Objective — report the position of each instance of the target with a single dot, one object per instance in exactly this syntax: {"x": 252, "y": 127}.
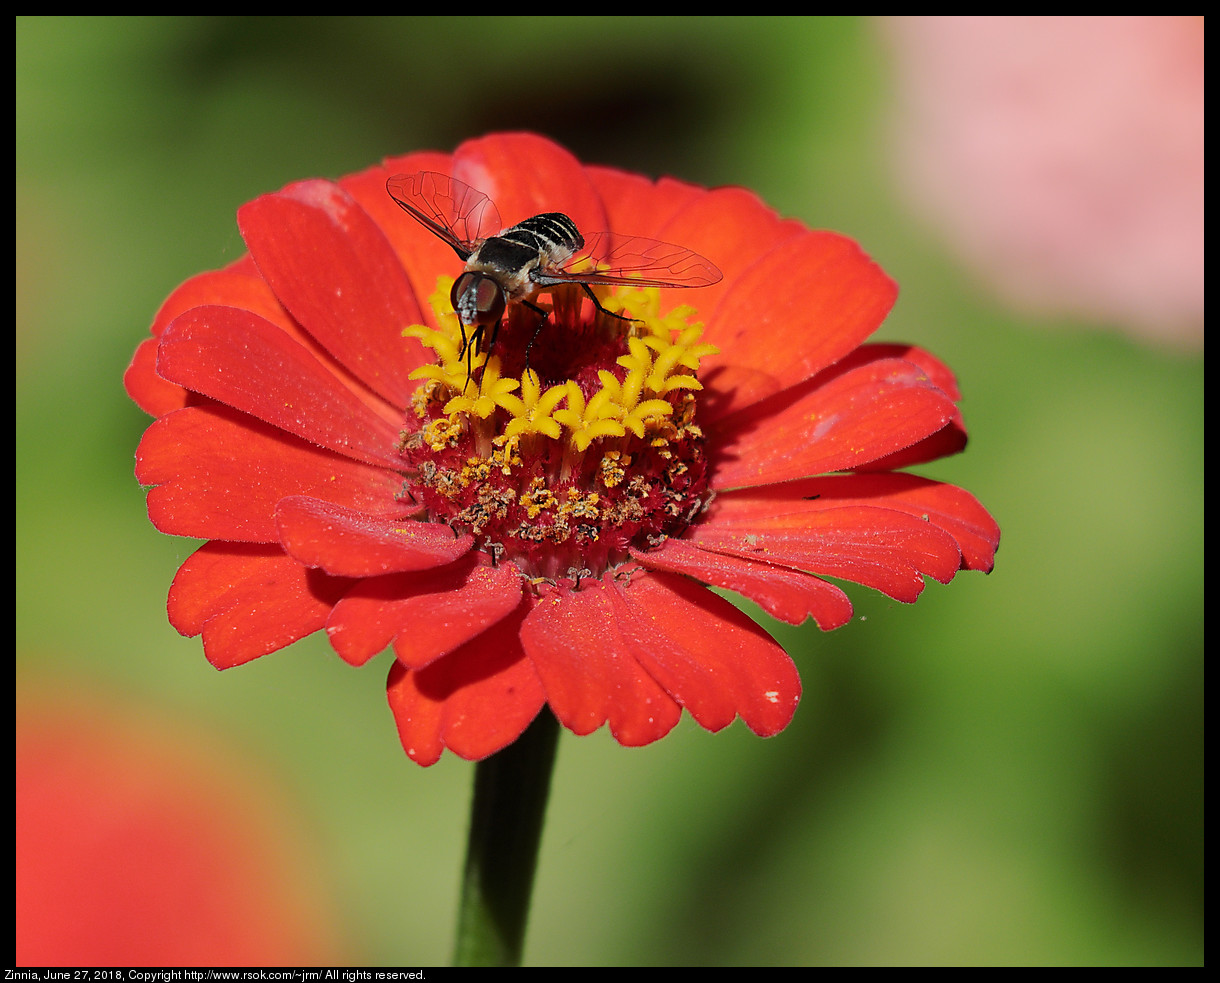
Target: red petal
{"x": 947, "y": 507}
{"x": 950, "y": 439}
{"x": 635, "y": 205}
{"x": 589, "y": 672}
{"x": 802, "y": 307}
{"x": 526, "y": 174}
{"x": 333, "y": 269}
{"x": 237, "y": 285}
{"x": 427, "y": 614}
{"x": 881, "y": 548}
{"x": 734, "y": 229}
{"x": 947, "y": 441}
{"x": 220, "y": 474}
{"x": 248, "y": 600}
{"x": 843, "y": 422}
{"x": 938, "y": 373}
{"x": 151, "y": 393}
{"x": 246, "y": 362}
{"x": 709, "y": 656}
{"x": 474, "y": 701}
{"x": 349, "y": 543}
{"x": 423, "y": 256}
{"x": 730, "y": 226}
{"x": 787, "y": 594}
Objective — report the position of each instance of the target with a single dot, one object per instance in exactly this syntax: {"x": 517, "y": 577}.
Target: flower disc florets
{"x": 568, "y": 444}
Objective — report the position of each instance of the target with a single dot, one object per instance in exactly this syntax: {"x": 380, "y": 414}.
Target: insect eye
{"x": 477, "y": 299}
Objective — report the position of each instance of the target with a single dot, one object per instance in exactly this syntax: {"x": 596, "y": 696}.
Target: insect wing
{"x": 450, "y": 209}
{"x": 608, "y": 257}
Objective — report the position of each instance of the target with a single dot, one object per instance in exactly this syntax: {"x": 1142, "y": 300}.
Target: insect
{"x": 511, "y": 266}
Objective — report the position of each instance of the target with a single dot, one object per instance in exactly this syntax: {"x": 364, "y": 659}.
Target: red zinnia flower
{"x": 538, "y": 537}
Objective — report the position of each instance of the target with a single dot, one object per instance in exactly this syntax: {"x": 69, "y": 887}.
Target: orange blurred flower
{"x": 137, "y": 849}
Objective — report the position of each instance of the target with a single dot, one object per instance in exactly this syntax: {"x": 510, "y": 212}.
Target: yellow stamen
{"x": 663, "y": 356}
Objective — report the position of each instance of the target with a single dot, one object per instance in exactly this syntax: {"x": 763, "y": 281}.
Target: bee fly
{"x": 507, "y": 266}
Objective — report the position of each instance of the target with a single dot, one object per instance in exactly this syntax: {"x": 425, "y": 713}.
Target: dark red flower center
{"x": 568, "y": 443}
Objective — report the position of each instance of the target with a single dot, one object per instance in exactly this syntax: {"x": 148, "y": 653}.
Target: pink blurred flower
{"x": 1063, "y": 159}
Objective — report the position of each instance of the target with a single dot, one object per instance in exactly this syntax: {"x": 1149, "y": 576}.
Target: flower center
{"x": 571, "y": 440}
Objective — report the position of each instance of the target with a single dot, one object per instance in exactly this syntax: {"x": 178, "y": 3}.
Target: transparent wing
{"x": 608, "y": 257}
{"x": 446, "y": 207}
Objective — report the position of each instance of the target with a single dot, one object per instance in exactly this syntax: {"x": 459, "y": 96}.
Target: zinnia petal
{"x": 206, "y": 489}
{"x": 248, "y": 600}
{"x": 783, "y": 592}
{"x": 554, "y": 181}
{"x": 840, "y": 422}
{"x": 732, "y": 225}
{"x": 802, "y": 307}
{"x": 244, "y": 361}
{"x": 885, "y": 549}
{"x": 349, "y": 543}
{"x": 347, "y": 288}
{"x": 632, "y": 201}
{"x": 473, "y": 701}
{"x": 238, "y": 285}
{"x": 151, "y": 393}
{"x": 421, "y": 257}
{"x": 949, "y": 439}
{"x": 952, "y": 509}
{"x": 425, "y": 614}
{"x": 709, "y": 656}
{"x": 589, "y": 670}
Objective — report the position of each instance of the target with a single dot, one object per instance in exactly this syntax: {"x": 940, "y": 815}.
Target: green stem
{"x": 510, "y": 792}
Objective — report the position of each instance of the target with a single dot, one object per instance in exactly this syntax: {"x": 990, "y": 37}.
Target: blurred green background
{"x": 1010, "y": 771}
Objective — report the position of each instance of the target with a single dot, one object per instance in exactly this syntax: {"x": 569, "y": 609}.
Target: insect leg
{"x": 470, "y": 347}
{"x": 534, "y": 336}
{"x": 597, "y": 303}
